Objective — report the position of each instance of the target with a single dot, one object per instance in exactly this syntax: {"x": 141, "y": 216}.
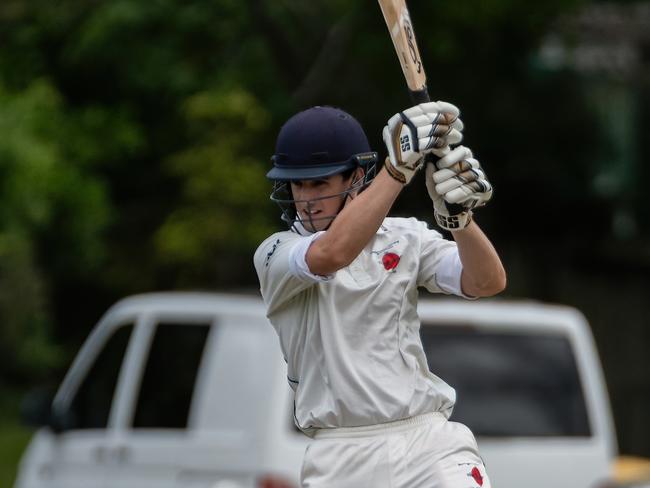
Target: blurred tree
{"x": 45, "y": 191}
{"x": 165, "y": 113}
{"x": 224, "y": 192}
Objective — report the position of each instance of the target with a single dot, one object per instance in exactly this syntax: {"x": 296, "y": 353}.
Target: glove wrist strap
{"x": 456, "y": 222}
{"x": 394, "y": 173}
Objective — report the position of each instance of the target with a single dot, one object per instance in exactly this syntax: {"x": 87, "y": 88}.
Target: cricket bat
{"x": 399, "y": 24}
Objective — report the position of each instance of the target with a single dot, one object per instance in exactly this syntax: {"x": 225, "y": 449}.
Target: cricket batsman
{"x": 341, "y": 286}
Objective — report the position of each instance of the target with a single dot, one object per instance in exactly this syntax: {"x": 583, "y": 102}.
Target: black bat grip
{"x": 420, "y": 96}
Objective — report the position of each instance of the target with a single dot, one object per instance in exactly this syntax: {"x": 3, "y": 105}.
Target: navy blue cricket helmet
{"x": 317, "y": 143}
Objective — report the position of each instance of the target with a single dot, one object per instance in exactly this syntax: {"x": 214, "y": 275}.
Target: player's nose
{"x": 305, "y": 194}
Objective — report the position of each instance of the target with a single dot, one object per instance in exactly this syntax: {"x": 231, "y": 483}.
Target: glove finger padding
{"x": 437, "y": 136}
{"x": 458, "y": 180}
{"x": 461, "y": 180}
{"x": 437, "y": 126}
{"x": 449, "y": 108}
{"x": 450, "y": 111}
{"x": 460, "y": 167}
{"x": 456, "y": 185}
{"x": 471, "y": 195}
{"x": 454, "y": 137}
{"x": 456, "y": 155}
{"x": 433, "y": 130}
{"x": 448, "y": 216}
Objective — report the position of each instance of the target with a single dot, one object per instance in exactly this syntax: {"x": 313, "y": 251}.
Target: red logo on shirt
{"x": 476, "y": 474}
{"x": 390, "y": 260}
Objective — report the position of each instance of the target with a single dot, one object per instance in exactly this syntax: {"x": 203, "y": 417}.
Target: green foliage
{"x": 25, "y": 350}
{"x": 222, "y": 181}
{"x": 44, "y": 190}
{"x": 13, "y": 441}
{"x": 13, "y": 437}
{"x": 136, "y": 135}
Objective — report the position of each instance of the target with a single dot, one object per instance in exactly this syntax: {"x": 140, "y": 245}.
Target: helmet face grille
{"x": 282, "y": 195}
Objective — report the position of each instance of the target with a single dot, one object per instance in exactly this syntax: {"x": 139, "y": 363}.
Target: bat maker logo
{"x": 410, "y": 38}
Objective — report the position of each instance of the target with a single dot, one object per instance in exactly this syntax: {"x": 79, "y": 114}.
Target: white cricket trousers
{"x": 426, "y": 451}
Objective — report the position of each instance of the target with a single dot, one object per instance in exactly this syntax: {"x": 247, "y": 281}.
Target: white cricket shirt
{"x": 351, "y": 340}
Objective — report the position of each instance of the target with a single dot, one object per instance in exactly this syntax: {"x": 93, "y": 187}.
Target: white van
{"x": 189, "y": 390}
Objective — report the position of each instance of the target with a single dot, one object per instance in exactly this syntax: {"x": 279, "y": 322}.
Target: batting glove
{"x": 409, "y": 135}
{"x": 457, "y": 184}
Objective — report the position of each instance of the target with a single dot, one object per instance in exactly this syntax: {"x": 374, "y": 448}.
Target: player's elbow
{"x": 486, "y": 286}
{"x": 495, "y": 285}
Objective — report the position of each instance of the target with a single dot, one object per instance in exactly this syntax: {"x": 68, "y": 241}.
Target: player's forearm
{"x": 354, "y": 226}
{"x": 483, "y": 273}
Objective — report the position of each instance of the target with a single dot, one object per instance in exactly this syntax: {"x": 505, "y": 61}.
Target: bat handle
{"x": 420, "y": 96}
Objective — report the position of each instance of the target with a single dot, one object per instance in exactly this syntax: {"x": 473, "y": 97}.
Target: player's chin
{"x": 317, "y": 223}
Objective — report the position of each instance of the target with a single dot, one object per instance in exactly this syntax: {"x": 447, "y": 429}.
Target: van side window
{"x": 170, "y": 374}
{"x": 91, "y": 405}
{"x": 509, "y": 384}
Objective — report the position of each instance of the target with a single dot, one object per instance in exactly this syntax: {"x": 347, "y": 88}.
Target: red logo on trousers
{"x": 476, "y": 474}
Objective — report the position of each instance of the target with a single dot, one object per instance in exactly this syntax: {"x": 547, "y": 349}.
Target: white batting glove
{"x": 409, "y": 135}
{"x": 456, "y": 185}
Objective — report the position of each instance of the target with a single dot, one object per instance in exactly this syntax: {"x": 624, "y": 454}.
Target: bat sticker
{"x": 408, "y": 29}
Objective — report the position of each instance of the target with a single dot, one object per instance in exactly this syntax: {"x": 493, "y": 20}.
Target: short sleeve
{"x": 449, "y": 274}
{"x": 440, "y": 268}
{"x": 280, "y": 280}
{"x": 298, "y": 263}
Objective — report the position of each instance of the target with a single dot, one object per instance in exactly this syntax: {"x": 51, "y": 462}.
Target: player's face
{"x": 318, "y": 201}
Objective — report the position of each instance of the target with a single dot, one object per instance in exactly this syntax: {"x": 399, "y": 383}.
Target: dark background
{"x": 135, "y": 135}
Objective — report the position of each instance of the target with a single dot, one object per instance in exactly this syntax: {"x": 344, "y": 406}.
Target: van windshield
{"x": 509, "y": 384}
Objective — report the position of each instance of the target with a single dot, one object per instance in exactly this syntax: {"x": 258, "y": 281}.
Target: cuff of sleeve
{"x": 298, "y": 265}
{"x": 448, "y": 275}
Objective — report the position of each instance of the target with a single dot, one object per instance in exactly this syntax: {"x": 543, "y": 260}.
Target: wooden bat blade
{"x": 399, "y": 24}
